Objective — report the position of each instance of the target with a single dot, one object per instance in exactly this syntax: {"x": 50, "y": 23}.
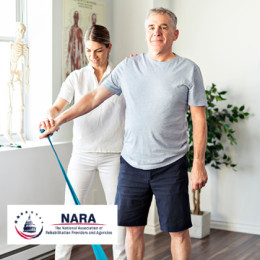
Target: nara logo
{"x": 28, "y": 225}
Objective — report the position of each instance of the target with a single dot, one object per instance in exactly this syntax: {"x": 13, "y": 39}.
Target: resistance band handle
{"x": 98, "y": 250}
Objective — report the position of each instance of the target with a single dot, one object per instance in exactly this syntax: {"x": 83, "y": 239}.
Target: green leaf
{"x": 242, "y": 108}
{"x": 219, "y": 98}
{"x": 226, "y": 126}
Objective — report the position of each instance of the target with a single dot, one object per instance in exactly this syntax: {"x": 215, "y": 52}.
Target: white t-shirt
{"x": 101, "y": 130}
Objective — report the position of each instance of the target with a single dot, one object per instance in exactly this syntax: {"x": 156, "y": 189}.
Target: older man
{"x": 158, "y": 87}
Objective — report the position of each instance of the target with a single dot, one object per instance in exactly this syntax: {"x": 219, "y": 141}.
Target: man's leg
{"x": 170, "y": 186}
{"x": 180, "y": 245}
{"x": 135, "y": 243}
{"x": 133, "y": 198}
{"x": 108, "y": 167}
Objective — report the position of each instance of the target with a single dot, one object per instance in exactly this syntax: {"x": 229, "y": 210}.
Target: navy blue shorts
{"x": 169, "y": 184}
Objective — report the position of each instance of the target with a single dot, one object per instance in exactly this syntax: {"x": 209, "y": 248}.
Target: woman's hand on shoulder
{"x": 131, "y": 55}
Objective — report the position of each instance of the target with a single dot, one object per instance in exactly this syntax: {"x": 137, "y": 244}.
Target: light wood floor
{"x": 220, "y": 245}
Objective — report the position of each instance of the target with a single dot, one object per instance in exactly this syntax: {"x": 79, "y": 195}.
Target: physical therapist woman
{"x": 97, "y": 136}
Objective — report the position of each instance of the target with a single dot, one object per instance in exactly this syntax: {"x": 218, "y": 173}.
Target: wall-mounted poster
{"x": 78, "y": 16}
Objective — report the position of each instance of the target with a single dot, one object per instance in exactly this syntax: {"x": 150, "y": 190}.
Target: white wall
{"x": 223, "y": 38}
{"x": 128, "y": 26}
{"x": 44, "y": 38}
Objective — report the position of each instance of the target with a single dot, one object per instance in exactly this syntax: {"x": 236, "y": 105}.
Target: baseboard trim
{"x": 216, "y": 224}
{"x": 235, "y": 227}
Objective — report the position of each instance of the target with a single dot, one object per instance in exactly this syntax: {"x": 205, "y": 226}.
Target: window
{"x": 11, "y": 11}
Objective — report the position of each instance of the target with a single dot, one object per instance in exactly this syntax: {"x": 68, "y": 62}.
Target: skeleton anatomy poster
{"x": 78, "y": 16}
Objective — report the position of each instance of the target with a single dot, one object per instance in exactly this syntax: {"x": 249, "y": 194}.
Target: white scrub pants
{"x": 81, "y": 172}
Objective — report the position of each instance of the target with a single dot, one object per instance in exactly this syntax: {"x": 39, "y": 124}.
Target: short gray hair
{"x": 162, "y": 10}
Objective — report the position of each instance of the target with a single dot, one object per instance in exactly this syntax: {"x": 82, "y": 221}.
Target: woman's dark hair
{"x": 98, "y": 33}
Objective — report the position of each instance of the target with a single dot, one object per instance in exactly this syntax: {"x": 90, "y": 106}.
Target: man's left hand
{"x": 199, "y": 176}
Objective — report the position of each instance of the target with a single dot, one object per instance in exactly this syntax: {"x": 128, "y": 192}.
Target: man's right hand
{"x": 49, "y": 125}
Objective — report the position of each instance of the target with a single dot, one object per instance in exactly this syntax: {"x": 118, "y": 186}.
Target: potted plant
{"x": 220, "y": 122}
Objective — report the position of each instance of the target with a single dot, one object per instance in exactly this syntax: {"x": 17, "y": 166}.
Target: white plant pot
{"x": 200, "y": 225}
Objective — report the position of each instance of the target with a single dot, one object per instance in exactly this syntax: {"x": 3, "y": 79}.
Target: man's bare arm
{"x": 83, "y": 106}
{"x": 199, "y": 175}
